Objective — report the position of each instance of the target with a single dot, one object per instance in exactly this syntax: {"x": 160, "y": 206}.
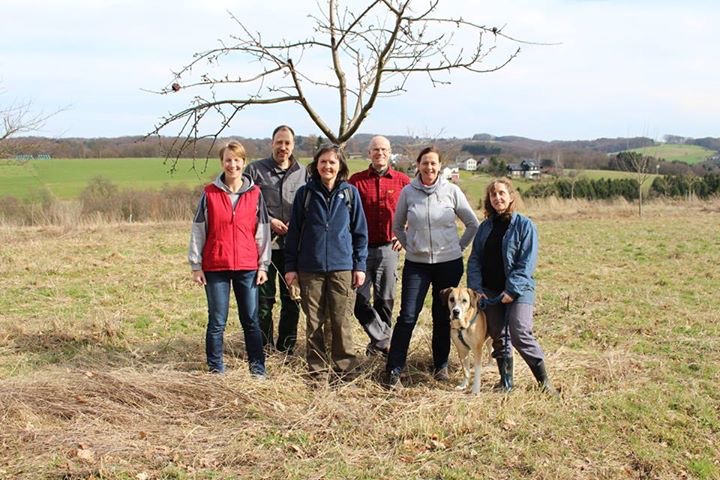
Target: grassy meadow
{"x": 65, "y": 179}
{"x": 690, "y": 154}
{"x": 102, "y": 366}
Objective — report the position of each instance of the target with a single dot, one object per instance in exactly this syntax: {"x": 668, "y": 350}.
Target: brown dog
{"x": 468, "y": 330}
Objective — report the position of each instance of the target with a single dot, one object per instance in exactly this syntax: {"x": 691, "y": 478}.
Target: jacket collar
{"x": 247, "y": 183}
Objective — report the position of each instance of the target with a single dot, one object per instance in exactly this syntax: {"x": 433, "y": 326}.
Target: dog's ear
{"x": 474, "y": 297}
{"x": 445, "y": 294}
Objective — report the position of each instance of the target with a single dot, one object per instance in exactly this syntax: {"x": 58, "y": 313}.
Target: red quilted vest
{"x": 230, "y": 243}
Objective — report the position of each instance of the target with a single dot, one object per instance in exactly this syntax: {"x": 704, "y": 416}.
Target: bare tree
{"x": 19, "y": 117}
{"x": 573, "y": 177}
{"x": 642, "y": 166}
{"x": 372, "y": 52}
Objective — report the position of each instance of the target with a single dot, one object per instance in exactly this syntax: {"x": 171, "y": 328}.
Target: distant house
{"x": 25, "y": 157}
{"x": 469, "y": 164}
{"x": 451, "y": 173}
{"x": 526, "y": 169}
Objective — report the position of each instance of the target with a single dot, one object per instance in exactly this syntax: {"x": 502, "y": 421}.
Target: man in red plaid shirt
{"x": 379, "y": 188}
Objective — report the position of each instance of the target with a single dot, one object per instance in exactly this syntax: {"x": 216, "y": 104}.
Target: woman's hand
{"x": 290, "y": 277}
{"x": 506, "y": 298}
{"x": 198, "y": 276}
{"x": 396, "y": 245}
{"x": 278, "y": 227}
{"x": 261, "y": 277}
{"x": 358, "y": 278}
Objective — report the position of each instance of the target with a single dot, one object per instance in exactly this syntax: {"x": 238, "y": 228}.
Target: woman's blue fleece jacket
{"x": 326, "y": 236}
{"x": 520, "y": 253}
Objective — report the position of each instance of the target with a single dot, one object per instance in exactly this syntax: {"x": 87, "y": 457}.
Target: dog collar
{"x": 460, "y": 337}
{"x": 460, "y": 330}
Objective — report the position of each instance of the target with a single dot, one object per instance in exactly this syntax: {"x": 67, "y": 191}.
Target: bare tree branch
{"x": 20, "y": 117}
{"x": 383, "y": 43}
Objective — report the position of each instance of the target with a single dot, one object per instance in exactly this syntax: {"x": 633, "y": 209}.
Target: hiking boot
{"x": 505, "y": 367}
{"x": 540, "y": 374}
{"x": 392, "y": 380}
{"x": 441, "y": 375}
{"x": 373, "y": 350}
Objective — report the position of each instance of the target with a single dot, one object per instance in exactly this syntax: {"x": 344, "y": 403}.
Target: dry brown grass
{"x": 102, "y": 367}
{"x": 552, "y": 208}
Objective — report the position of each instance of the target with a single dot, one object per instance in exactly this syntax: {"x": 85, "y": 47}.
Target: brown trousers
{"x": 327, "y": 301}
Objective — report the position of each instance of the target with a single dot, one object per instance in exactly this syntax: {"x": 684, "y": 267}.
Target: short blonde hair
{"x": 235, "y": 147}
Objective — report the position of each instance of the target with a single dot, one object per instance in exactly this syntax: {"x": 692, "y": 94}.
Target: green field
{"x": 66, "y": 178}
{"x": 690, "y": 154}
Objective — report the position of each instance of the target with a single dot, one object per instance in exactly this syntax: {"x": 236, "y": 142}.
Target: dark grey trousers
{"x": 513, "y": 331}
{"x": 379, "y": 286}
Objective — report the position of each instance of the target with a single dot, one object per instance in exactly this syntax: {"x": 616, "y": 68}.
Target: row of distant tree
{"x": 551, "y": 156}
{"x": 591, "y": 189}
{"x": 139, "y": 147}
{"x": 673, "y": 186}
{"x": 686, "y": 185}
{"x": 707, "y": 142}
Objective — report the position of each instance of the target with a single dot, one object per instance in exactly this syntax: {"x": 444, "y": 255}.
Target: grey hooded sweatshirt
{"x": 425, "y": 221}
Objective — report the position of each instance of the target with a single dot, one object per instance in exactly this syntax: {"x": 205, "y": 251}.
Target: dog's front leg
{"x": 477, "y": 360}
{"x": 465, "y": 363}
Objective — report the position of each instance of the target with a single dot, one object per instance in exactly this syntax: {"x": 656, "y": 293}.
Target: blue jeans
{"x": 218, "y": 297}
{"x": 416, "y": 280}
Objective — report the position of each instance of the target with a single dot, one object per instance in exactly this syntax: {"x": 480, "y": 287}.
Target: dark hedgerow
{"x": 590, "y": 189}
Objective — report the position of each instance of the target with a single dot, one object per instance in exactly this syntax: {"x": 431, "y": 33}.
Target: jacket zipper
{"x": 432, "y": 257}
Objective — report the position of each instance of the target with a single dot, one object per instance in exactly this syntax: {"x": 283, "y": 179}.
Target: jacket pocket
{"x": 448, "y": 240}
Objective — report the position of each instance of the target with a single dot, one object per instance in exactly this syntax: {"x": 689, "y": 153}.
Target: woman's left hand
{"x": 358, "y": 279}
{"x": 506, "y": 298}
{"x": 261, "y": 277}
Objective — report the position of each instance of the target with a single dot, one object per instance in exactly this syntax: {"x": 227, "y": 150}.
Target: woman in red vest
{"x": 230, "y": 246}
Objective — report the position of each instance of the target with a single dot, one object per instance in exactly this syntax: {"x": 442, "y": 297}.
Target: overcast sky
{"x": 621, "y": 68}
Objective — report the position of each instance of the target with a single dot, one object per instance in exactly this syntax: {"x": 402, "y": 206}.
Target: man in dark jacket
{"x": 278, "y": 177}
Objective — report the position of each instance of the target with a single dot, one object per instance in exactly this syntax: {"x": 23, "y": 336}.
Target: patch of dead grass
{"x": 102, "y": 368}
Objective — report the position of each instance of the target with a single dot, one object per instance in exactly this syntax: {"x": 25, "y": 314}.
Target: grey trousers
{"x": 380, "y": 284}
{"x": 513, "y": 331}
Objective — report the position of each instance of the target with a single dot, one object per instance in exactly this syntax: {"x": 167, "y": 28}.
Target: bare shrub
{"x": 10, "y": 209}
{"x": 44, "y": 209}
{"x": 180, "y": 202}
{"x": 100, "y": 197}
{"x": 104, "y": 200}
